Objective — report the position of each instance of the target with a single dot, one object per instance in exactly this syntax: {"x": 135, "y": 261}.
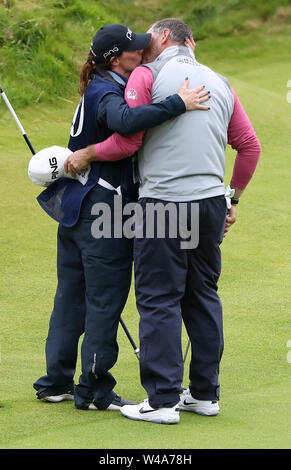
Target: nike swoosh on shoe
{"x": 186, "y": 403}
{"x": 142, "y": 411}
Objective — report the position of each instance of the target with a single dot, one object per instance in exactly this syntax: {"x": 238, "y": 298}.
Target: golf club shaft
{"x": 8, "y": 104}
{"x": 136, "y": 349}
{"x": 187, "y": 349}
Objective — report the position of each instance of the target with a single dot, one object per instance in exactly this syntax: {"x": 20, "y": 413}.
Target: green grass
{"x": 254, "y": 287}
{"x": 42, "y": 45}
{"x": 207, "y": 18}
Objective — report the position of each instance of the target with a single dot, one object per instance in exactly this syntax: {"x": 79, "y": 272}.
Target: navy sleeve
{"x": 114, "y": 112}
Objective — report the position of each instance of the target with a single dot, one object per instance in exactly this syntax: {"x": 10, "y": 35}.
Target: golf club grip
{"x": 29, "y": 144}
{"x": 128, "y": 334}
{"x": 9, "y": 106}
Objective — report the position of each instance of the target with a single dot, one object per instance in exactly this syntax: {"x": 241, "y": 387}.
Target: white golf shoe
{"x": 59, "y": 398}
{"x": 144, "y": 412}
{"x": 200, "y": 407}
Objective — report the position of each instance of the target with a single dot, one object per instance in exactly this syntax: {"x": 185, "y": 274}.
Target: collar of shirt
{"x": 114, "y": 77}
{"x": 175, "y": 50}
{"x": 118, "y": 78}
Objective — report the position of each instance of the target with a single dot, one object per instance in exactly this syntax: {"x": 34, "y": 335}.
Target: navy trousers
{"x": 94, "y": 278}
{"x": 174, "y": 284}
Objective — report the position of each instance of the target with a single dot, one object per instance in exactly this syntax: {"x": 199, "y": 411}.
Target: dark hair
{"x": 179, "y": 30}
{"x": 88, "y": 68}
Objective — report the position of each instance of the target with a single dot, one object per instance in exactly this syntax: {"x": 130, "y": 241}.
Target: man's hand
{"x": 230, "y": 219}
{"x": 193, "y": 98}
{"x": 79, "y": 160}
{"x": 190, "y": 43}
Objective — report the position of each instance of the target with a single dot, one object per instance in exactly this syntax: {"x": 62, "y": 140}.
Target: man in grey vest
{"x": 181, "y": 167}
{"x": 183, "y": 160}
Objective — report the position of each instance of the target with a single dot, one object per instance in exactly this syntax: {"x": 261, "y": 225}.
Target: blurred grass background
{"x": 42, "y": 44}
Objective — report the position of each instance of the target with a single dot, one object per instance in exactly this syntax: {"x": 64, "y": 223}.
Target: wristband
{"x": 234, "y": 201}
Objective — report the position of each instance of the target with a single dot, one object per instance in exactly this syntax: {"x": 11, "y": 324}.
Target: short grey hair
{"x": 179, "y": 30}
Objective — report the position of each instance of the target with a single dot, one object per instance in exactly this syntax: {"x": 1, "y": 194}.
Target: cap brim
{"x": 141, "y": 41}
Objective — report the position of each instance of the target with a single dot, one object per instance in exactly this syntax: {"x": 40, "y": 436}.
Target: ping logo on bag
{"x": 54, "y": 166}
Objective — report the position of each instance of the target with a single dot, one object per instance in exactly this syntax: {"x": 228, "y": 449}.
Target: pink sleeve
{"x": 137, "y": 92}
{"x": 242, "y": 137}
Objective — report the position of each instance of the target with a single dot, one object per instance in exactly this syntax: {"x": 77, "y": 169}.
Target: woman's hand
{"x": 190, "y": 43}
{"x": 193, "y": 98}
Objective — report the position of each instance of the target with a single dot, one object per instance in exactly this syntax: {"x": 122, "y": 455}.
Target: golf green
{"x": 254, "y": 286}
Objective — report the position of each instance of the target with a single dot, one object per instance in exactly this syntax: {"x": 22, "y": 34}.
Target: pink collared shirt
{"x": 241, "y": 134}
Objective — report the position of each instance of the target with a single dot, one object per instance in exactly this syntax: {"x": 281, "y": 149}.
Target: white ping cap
{"x": 47, "y": 166}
